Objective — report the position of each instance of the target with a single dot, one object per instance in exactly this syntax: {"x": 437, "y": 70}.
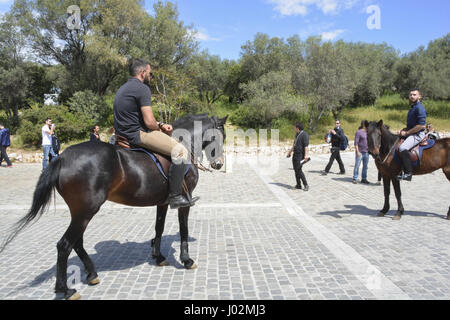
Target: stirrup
{"x": 179, "y": 202}
{"x": 405, "y": 176}
{"x": 191, "y": 200}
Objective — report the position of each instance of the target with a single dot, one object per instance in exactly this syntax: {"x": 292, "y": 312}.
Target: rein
{"x": 390, "y": 151}
{"x": 199, "y": 166}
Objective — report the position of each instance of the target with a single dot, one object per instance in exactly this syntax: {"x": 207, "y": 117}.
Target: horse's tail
{"x": 41, "y": 198}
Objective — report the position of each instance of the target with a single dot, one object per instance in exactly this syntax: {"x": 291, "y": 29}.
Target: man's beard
{"x": 147, "y": 81}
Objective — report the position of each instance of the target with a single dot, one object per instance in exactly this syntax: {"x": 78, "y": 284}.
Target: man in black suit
{"x": 300, "y": 150}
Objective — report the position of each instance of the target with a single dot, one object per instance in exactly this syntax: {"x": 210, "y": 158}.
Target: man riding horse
{"x": 134, "y": 120}
{"x": 414, "y": 132}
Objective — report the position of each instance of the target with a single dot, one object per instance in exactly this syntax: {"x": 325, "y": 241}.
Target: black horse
{"x": 382, "y": 143}
{"x": 88, "y": 174}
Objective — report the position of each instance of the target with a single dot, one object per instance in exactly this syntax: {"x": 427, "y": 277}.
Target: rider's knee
{"x": 179, "y": 154}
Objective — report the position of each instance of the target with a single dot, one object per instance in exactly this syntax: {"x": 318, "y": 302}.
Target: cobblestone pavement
{"x": 253, "y": 237}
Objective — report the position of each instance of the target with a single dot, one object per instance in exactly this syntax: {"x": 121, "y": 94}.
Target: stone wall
{"x": 36, "y": 157}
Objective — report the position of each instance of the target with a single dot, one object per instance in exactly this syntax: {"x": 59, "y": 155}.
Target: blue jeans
{"x": 365, "y": 160}
{"x": 47, "y": 151}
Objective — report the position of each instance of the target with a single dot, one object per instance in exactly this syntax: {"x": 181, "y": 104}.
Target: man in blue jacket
{"x": 414, "y": 132}
{"x": 4, "y": 143}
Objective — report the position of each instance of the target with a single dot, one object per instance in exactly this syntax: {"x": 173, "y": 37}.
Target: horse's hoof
{"x": 94, "y": 282}
{"x": 92, "y": 279}
{"x": 190, "y": 265}
{"x": 193, "y": 267}
{"x": 72, "y": 294}
{"x": 75, "y": 296}
{"x": 163, "y": 263}
{"x": 396, "y": 217}
{"x": 381, "y": 214}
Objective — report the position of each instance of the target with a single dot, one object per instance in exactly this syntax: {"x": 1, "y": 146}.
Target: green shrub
{"x": 89, "y": 104}
{"x": 435, "y": 108}
{"x": 247, "y": 117}
{"x": 68, "y": 125}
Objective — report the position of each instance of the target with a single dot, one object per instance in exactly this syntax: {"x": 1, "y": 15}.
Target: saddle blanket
{"x": 430, "y": 144}
{"x": 157, "y": 162}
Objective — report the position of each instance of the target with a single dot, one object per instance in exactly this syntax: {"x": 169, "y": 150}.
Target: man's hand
{"x": 403, "y": 133}
{"x": 332, "y": 132}
{"x": 167, "y": 128}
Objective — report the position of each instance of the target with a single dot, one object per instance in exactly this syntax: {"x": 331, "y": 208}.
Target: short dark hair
{"x": 364, "y": 124}
{"x": 137, "y": 65}
{"x": 415, "y": 89}
{"x": 299, "y": 125}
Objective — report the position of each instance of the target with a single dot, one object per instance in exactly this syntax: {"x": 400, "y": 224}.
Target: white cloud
{"x": 6, "y": 1}
{"x": 203, "y": 36}
{"x": 290, "y": 7}
{"x": 300, "y": 7}
{"x": 331, "y": 35}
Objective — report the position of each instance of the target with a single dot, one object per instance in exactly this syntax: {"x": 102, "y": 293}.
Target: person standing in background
{"x": 112, "y": 138}
{"x": 337, "y": 135}
{"x": 361, "y": 152}
{"x": 432, "y": 134}
{"x": 5, "y": 142}
{"x": 47, "y": 131}
{"x": 301, "y": 155}
{"x": 95, "y": 135}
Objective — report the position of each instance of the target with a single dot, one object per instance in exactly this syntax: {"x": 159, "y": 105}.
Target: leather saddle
{"x": 164, "y": 161}
{"x": 416, "y": 152}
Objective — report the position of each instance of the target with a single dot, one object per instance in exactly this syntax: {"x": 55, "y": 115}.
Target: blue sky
{"x": 225, "y": 25}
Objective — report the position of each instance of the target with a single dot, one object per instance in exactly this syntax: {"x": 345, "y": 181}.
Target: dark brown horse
{"x": 381, "y": 144}
{"x": 88, "y": 174}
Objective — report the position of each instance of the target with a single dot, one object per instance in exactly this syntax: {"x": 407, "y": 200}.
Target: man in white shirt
{"x": 47, "y": 130}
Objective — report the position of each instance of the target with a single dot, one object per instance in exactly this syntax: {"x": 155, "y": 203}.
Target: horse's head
{"x": 204, "y": 133}
{"x": 213, "y": 142}
{"x": 379, "y": 139}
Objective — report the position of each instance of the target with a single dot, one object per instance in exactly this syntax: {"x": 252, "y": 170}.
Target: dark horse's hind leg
{"x": 387, "y": 191}
{"x": 65, "y": 245}
{"x": 161, "y": 213}
{"x": 92, "y": 276}
{"x": 183, "y": 217}
{"x": 447, "y": 174}
{"x": 398, "y": 195}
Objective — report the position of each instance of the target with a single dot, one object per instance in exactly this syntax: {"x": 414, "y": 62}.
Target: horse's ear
{"x": 380, "y": 123}
{"x": 224, "y": 120}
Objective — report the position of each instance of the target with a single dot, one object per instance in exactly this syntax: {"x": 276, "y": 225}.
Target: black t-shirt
{"x": 128, "y": 119}
{"x": 300, "y": 143}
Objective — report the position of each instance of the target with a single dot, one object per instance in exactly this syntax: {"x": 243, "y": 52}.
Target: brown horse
{"x": 381, "y": 144}
{"x": 88, "y": 174}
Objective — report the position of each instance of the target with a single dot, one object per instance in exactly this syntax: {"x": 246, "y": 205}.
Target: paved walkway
{"x": 253, "y": 237}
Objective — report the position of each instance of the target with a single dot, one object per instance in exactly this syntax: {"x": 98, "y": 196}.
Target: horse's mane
{"x": 197, "y": 116}
{"x": 190, "y": 118}
{"x": 385, "y": 133}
